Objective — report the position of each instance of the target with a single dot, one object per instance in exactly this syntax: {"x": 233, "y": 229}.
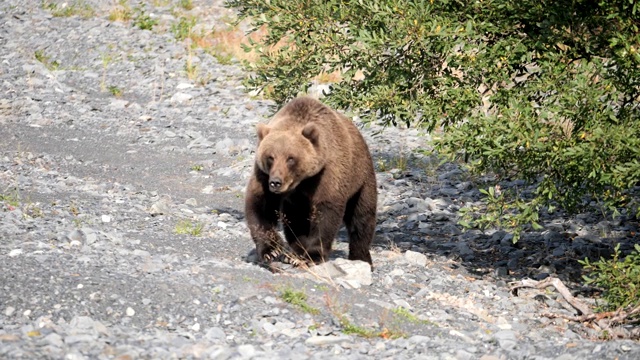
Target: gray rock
{"x": 507, "y": 339}
{"x": 54, "y": 340}
{"x": 214, "y": 334}
{"x": 162, "y": 206}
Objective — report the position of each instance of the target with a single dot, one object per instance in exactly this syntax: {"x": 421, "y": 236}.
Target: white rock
{"x": 106, "y": 218}
{"x": 246, "y": 351}
{"x": 402, "y": 303}
{"x": 15, "y": 252}
{"x": 396, "y": 272}
{"x": 130, "y": 312}
{"x": 355, "y": 270}
{"x": 181, "y": 97}
{"x": 415, "y": 258}
{"x": 325, "y": 340}
{"x": 183, "y": 86}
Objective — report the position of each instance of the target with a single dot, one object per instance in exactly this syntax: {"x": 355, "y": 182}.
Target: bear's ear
{"x": 263, "y": 130}
{"x": 310, "y": 131}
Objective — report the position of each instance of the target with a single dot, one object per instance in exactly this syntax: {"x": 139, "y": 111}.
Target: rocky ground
{"x": 122, "y": 232}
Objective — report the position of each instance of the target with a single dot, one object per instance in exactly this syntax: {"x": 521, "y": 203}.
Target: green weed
{"x": 298, "y": 299}
{"x": 79, "y": 8}
{"x": 186, "y": 227}
{"x": 11, "y": 199}
{"x": 121, "y": 12}
{"x": 115, "y": 91}
{"x": 45, "y": 60}
{"x": 409, "y": 316}
{"x": 619, "y": 279}
{"x": 183, "y": 28}
{"x": 186, "y": 4}
{"x": 143, "y": 20}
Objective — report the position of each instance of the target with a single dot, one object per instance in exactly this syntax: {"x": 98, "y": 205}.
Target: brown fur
{"x": 313, "y": 171}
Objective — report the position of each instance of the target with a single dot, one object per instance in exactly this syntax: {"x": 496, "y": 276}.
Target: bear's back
{"x": 303, "y": 110}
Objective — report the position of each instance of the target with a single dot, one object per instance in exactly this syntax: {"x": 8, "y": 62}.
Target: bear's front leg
{"x": 261, "y": 211}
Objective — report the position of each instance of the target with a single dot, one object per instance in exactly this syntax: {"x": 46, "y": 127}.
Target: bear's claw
{"x": 272, "y": 255}
{"x": 296, "y": 262}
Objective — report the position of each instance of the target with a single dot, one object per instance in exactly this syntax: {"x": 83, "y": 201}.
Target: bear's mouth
{"x": 279, "y": 191}
{"x": 280, "y": 188}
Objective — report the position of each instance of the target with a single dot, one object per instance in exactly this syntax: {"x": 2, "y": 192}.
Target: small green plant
{"x": 197, "y": 167}
{"x": 191, "y": 69}
{"x": 79, "y": 8}
{"x": 11, "y": 200}
{"x": 619, "y": 279}
{"x": 186, "y": 4}
{"x": 45, "y": 60}
{"x": 502, "y": 211}
{"x": 106, "y": 60}
{"x": 350, "y": 328}
{"x": 73, "y": 209}
{"x": 33, "y": 211}
{"x": 143, "y": 20}
{"x": 400, "y": 162}
{"x": 115, "y": 91}
{"x": 220, "y": 54}
{"x": 203, "y": 80}
{"x": 183, "y": 28}
{"x": 409, "y": 316}
{"x": 186, "y": 227}
{"x": 121, "y": 12}
{"x": 298, "y": 299}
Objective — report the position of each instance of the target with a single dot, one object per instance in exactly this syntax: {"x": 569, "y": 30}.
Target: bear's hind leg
{"x": 311, "y": 234}
{"x": 360, "y": 219}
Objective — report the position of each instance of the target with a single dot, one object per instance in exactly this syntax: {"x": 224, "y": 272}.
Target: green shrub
{"x": 183, "y": 28}
{"x": 619, "y": 279}
{"x": 544, "y": 91}
{"x": 143, "y": 20}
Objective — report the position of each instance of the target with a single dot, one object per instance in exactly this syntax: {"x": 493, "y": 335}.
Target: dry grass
{"x": 120, "y": 13}
{"x": 229, "y": 41}
{"x": 325, "y": 77}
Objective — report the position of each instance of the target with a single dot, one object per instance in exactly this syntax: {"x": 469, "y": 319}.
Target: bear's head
{"x": 288, "y": 156}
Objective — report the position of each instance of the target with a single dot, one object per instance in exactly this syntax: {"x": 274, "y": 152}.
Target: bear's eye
{"x": 269, "y": 161}
{"x": 291, "y": 161}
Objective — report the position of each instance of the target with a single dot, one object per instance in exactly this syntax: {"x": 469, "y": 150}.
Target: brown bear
{"x": 313, "y": 171}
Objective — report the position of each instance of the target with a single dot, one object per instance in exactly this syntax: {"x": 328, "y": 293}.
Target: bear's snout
{"x": 275, "y": 183}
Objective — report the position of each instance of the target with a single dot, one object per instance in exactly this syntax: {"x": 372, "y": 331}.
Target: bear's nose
{"x": 275, "y": 183}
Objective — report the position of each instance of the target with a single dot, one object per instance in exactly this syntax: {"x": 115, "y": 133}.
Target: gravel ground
{"x": 122, "y": 233}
